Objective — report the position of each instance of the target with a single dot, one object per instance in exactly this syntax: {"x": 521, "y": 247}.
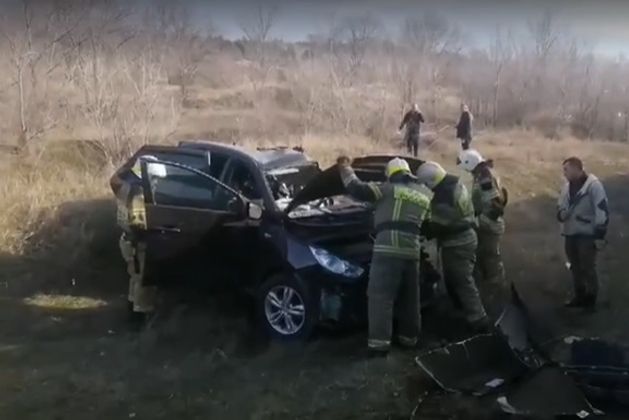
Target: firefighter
{"x": 489, "y": 199}
{"x": 584, "y": 215}
{"x": 400, "y": 208}
{"x": 132, "y": 219}
{"x": 452, "y": 223}
{"x": 412, "y": 120}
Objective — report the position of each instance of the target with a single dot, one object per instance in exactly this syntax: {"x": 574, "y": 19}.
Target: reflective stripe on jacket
{"x": 394, "y": 202}
{"x": 452, "y": 219}
{"x": 131, "y": 211}
{"x": 488, "y": 202}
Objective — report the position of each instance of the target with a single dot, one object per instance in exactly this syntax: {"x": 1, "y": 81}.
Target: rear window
{"x": 198, "y": 162}
{"x": 212, "y": 166}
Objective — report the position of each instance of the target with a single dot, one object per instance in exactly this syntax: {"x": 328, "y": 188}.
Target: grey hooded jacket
{"x": 585, "y": 213}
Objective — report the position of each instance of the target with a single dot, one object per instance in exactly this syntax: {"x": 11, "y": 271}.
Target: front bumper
{"x": 341, "y": 300}
{"x": 344, "y": 301}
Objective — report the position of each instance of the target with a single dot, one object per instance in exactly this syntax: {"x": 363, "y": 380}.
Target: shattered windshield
{"x": 288, "y": 181}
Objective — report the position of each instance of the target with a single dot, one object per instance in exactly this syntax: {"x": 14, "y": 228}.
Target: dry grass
{"x": 34, "y": 189}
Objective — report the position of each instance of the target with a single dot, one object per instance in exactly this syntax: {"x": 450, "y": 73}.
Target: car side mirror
{"x": 254, "y": 211}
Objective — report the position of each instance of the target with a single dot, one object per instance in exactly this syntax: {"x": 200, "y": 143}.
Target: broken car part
{"x": 476, "y": 366}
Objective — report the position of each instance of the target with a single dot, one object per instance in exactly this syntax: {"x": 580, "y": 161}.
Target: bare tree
{"x": 181, "y": 42}
{"x": 545, "y": 35}
{"x": 256, "y": 28}
{"x": 34, "y": 46}
{"x": 431, "y": 34}
{"x": 357, "y": 32}
{"x": 500, "y": 54}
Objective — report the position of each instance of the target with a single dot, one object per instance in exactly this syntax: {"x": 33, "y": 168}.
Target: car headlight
{"x": 335, "y": 264}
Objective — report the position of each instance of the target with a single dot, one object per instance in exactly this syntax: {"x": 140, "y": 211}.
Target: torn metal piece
{"x": 476, "y": 365}
{"x": 601, "y": 369}
{"x": 514, "y": 326}
{"x": 548, "y": 392}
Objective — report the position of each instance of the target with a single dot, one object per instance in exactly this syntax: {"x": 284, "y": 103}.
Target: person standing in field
{"x": 583, "y": 212}
{"x": 412, "y": 120}
{"x": 464, "y": 127}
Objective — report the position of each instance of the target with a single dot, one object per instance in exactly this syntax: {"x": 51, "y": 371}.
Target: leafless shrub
{"x": 256, "y": 28}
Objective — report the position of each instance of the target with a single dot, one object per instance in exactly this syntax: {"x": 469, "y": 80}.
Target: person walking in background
{"x": 464, "y": 127}
{"x": 583, "y": 213}
{"x": 412, "y": 120}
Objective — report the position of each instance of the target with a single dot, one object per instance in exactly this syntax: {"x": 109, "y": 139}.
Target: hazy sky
{"x": 602, "y": 23}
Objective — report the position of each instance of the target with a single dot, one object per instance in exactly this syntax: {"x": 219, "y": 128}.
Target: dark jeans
{"x": 412, "y": 143}
{"x": 466, "y": 142}
{"x": 581, "y": 253}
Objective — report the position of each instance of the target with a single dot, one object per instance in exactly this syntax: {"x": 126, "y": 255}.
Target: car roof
{"x": 268, "y": 158}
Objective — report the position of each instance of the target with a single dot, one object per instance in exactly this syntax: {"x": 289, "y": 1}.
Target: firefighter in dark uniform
{"x": 400, "y": 209}
{"x": 452, "y": 223}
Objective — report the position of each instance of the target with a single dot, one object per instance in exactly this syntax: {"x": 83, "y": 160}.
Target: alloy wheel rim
{"x": 284, "y": 310}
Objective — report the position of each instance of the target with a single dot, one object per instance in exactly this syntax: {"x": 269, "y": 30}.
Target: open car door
{"x": 184, "y": 209}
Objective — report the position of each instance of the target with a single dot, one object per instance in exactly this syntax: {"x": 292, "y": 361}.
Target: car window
{"x": 217, "y": 164}
{"x": 242, "y": 179}
{"x": 195, "y": 161}
{"x": 174, "y": 186}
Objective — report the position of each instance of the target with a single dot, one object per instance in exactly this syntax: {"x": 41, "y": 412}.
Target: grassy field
{"x": 66, "y": 352}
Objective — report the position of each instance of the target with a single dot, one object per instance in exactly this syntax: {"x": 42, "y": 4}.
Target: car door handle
{"x": 168, "y": 229}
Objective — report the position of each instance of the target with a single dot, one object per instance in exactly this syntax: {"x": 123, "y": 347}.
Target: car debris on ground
{"x": 512, "y": 371}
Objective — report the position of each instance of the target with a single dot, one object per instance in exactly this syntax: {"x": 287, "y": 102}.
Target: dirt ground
{"x": 65, "y": 353}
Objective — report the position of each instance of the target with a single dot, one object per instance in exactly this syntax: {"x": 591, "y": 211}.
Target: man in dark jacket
{"x": 412, "y": 120}
{"x": 464, "y": 127}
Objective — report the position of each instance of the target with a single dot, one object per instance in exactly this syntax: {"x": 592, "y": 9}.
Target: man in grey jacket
{"x": 584, "y": 215}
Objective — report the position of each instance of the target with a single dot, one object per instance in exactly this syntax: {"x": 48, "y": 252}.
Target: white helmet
{"x": 430, "y": 174}
{"x": 469, "y": 160}
{"x": 397, "y": 165}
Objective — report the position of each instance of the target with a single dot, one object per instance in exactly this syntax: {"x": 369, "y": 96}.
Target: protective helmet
{"x": 157, "y": 170}
{"x": 397, "y": 165}
{"x": 430, "y": 174}
{"x": 469, "y": 160}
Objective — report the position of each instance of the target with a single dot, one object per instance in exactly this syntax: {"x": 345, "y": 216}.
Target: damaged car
{"x": 269, "y": 222}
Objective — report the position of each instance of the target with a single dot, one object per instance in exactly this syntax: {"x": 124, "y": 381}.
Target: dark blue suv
{"x": 268, "y": 222}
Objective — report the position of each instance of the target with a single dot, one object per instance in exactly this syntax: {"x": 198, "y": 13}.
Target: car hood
{"x": 328, "y": 183}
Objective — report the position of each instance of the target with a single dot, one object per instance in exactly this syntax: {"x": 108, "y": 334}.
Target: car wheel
{"x": 286, "y": 308}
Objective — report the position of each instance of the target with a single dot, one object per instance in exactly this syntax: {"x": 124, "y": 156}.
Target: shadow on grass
{"x": 71, "y": 274}
{"x": 207, "y": 357}
{"x": 68, "y": 276}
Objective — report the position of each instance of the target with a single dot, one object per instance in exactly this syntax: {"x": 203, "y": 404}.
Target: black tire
{"x": 302, "y": 293}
